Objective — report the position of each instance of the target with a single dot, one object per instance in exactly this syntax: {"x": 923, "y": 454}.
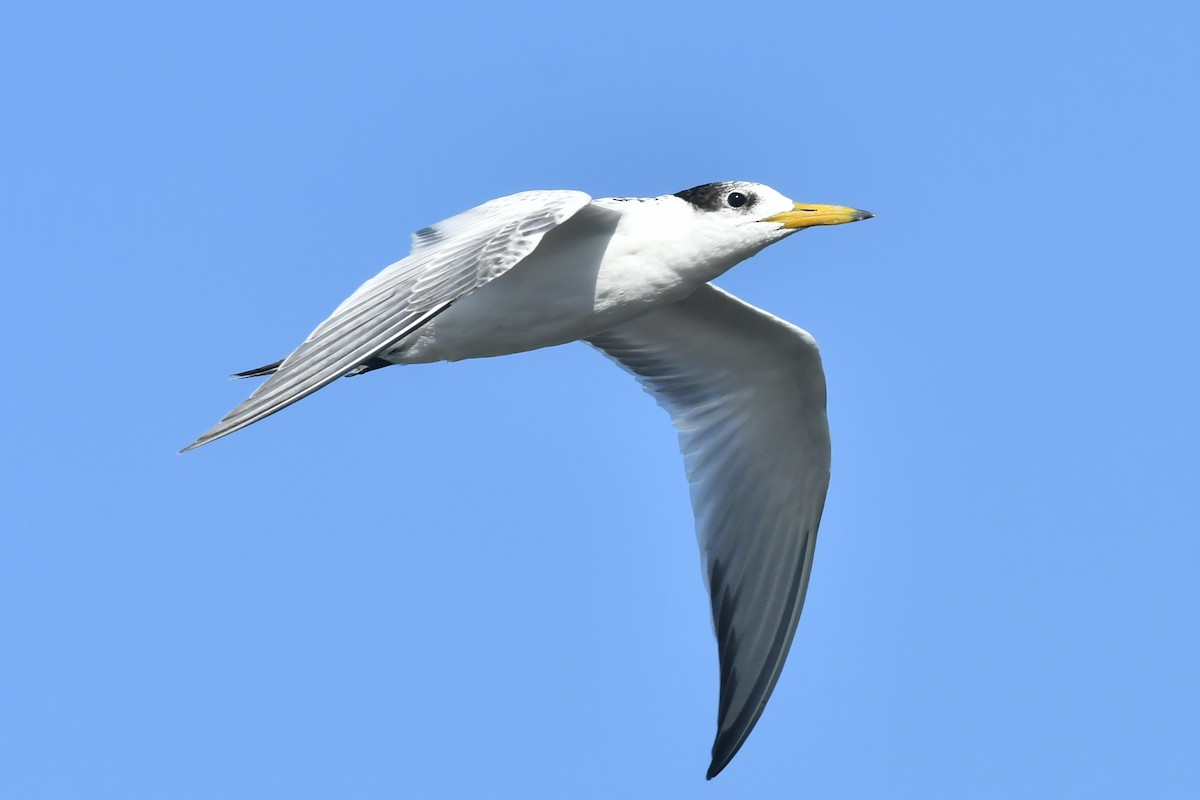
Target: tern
{"x": 631, "y": 277}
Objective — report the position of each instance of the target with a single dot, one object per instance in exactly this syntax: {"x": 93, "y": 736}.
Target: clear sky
{"x": 480, "y": 579}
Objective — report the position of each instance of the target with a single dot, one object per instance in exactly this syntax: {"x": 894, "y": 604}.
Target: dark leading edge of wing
{"x": 747, "y": 394}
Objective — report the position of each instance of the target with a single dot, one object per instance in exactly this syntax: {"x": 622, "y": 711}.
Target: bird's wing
{"x": 447, "y": 261}
{"x": 747, "y": 394}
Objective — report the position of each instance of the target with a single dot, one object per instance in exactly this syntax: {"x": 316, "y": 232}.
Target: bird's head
{"x": 759, "y": 214}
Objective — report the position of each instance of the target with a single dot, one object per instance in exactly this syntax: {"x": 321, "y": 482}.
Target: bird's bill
{"x": 806, "y": 215}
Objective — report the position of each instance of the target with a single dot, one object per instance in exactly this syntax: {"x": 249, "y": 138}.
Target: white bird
{"x": 630, "y": 276}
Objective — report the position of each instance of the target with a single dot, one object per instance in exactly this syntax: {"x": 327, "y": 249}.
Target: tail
{"x": 267, "y": 369}
{"x": 258, "y": 372}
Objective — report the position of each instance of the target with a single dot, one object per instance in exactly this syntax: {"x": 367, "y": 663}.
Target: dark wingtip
{"x": 721, "y": 758}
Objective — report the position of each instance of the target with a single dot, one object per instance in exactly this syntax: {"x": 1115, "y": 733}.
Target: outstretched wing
{"x": 747, "y": 394}
{"x": 447, "y": 261}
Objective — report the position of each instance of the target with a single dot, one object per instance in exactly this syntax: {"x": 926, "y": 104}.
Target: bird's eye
{"x": 736, "y": 199}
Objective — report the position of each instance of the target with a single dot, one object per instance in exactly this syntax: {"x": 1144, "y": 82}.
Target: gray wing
{"x": 447, "y": 261}
{"x": 747, "y": 394}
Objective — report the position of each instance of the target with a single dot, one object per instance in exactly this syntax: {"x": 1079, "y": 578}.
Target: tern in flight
{"x": 630, "y": 276}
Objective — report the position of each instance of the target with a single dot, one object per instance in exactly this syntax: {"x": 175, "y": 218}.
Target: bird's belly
{"x": 559, "y": 294}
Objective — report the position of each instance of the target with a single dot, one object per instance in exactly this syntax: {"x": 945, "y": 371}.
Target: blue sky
{"x": 480, "y": 579}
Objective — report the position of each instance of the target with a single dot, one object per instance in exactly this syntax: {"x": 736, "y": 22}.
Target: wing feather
{"x": 746, "y": 392}
{"x": 447, "y": 261}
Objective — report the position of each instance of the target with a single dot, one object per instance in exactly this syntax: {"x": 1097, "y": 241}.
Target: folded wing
{"x": 447, "y": 261}
{"x": 746, "y": 392}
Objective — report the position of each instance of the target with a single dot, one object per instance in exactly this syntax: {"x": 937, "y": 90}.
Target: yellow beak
{"x": 806, "y": 215}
